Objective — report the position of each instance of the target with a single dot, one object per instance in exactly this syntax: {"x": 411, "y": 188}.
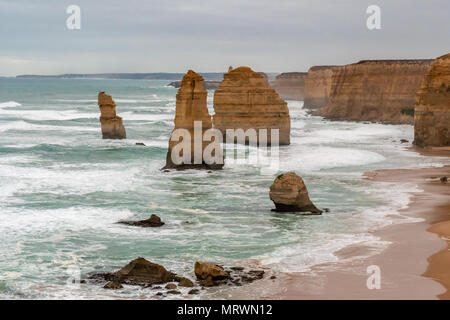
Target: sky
{"x": 210, "y": 35}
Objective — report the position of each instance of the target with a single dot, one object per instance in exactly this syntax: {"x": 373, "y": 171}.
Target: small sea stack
{"x": 432, "y": 108}
{"x": 112, "y": 126}
{"x": 289, "y": 194}
{"x": 245, "y": 101}
{"x": 193, "y": 142}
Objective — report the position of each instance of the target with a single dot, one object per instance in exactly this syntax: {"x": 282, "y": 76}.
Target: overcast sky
{"x": 210, "y": 35}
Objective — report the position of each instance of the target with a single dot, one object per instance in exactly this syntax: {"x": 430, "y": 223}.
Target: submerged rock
{"x": 114, "y": 285}
{"x": 289, "y": 194}
{"x": 112, "y": 126}
{"x": 152, "y": 222}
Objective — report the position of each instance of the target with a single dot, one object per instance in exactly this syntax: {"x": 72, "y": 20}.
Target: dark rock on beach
{"x": 113, "y": 285}
{"x": 139, "y": 272}
{"x": 152, "y": 222}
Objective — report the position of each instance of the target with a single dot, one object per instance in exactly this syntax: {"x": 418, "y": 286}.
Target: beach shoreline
{"x": 413, "y": 266}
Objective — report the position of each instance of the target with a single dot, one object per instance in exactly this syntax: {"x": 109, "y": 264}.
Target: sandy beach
{"x": 413, "y": 266}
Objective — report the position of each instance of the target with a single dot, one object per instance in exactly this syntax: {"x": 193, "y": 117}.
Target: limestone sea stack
{"x": 112, "y": 126}
{"x": 432, "y": 109}
{"x": 191, "y": 107}
{"x": 290, "y": 85}
{"x": 318, "y": 86}
{"x": 289, "y": 194}
{"x": 375, "y": 90}
{"x": 245, "y": 101}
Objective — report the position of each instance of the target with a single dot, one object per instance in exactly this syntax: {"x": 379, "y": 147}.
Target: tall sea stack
{"x": 432, "y": 109}
{"x": 112, "y": 126}
{"x": 191, "y": 107}
{"x": 245, "y": 101}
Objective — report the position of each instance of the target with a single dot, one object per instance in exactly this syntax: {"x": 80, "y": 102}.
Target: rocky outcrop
{"x": 205, "y": 270}
{"x": 432, "y": 109}
{"x": 377, "y": 91}
{"x": 290, "y": 85}
{"x": 318, "y": 86}
{"x": 139, "y": 272}
{"x": 209, "y": 85}
{"x": 289, "y": 194}
{"x": 244, "y": 101}
{"x": 112, "y": 126}
{"x": 152, "y": 222}
{"x": 191, "y": 107}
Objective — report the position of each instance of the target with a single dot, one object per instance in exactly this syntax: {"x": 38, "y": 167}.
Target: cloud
{"x": 150, "y": 36}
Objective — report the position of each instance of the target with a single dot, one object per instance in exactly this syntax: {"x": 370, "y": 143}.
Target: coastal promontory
{"x": 432, "y": 109}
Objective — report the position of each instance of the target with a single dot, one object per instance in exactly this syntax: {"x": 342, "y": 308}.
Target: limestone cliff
{"x": 377, "y": 91}
{"x": 318, "y": 86}
{"x": 290, "y": 85}
{"x": 191, "y": 107}
{"x": 244, "y": 101}
{"x": 432, "y": 109}
{"x": 112, "y": 126}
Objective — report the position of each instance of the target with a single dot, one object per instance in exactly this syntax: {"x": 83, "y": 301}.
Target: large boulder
{"x": 152, "y": 222}
{"x": 143, "y": 272}
{"x": 191, "y": 109}
{"x": 112, "y": 126}
{"x": 432, "y": 108}
{"x": 245, "y": 101}
{"x": 289, "y": 194}
{"x": 206, "y": 270}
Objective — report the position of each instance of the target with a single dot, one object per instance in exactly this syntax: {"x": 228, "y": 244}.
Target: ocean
{"x": 63, "y": 188}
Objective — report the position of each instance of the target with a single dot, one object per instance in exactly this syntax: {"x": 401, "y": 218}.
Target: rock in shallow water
{"x": 152, "y": 222}
{"x": 289, "y": 194}
{"x": 205, "y": 270}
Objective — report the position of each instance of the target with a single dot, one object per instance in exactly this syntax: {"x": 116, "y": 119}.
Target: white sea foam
{"x": 9, "y": 104}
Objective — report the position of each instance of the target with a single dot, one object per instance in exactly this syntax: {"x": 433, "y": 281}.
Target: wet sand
{"x": 415, "y": 265}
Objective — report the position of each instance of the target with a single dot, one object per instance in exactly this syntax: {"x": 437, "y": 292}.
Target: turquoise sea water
{"x": 63, "y": 188}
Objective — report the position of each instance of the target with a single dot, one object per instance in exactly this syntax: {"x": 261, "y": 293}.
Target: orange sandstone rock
{"x": 112, "y": 126}
{"x": 375, "y": 90}
{"x": 191, "y": 107}
{"x": 432, "y": 109}
{"x": 290, "y": 85}
{"x": 244, "y": 101}
{"x": 289, "y": 194}
{"x": 318, "y": 86}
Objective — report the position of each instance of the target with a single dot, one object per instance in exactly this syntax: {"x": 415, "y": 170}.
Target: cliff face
{"x": 377, "y": 91}
{"x": 190, "y": 107}
{"x": 244, "y": 101}
{"x": 318, "y": 86}
{"x": 112, "y": 126}
{"x": 290, "y": 85}
{"x": 432, "y": 109}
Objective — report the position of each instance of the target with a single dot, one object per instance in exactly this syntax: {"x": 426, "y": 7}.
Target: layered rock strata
{"x": 245, "y": 101}
{"x": 112, "y": 126}
{"x": 377, "y": 91}
{"x": 318, "y": 86}
{"x": 290, "y": 85}
{"x": 188, "y": 146}
{"x": 432, "y": 108}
